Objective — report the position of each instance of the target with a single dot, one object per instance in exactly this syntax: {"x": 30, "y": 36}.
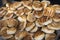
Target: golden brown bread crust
{"x": 4, "y": 34}
{"x": 12, "y": 22}
{"x": 26, "y": 11}
{"x": 28, "y": 37}
{"x": 29, "y": 26}
{"x": 57, "y": 8}
{"x": 27, "y": 4}
{"x": 20, "y": 35}
{"x": 56, "y": 18}
{"x": 20, "y": 12}
{"x": 2, "y": 11}
{"x": 7, "y": 16}
{"x": 37, "y": 14}
{"x": 37, "y": 5}
{"x": 22, "y": 18}
{"x": 11, "y": 30}
{"x": 39, "y": 35}
{"x": 44, "y": 20}
{"x": 54, "y": 26}
{"x": 50, "y": 36}
{"x": 49, "y": 11}
{"x": 14, "y": 5}
{"x": 3, "y": 30}
{"x": 45, "y": 3}
{"x": 30, "y": 17}
{"x": 47, "y": 30}
{"x": 7, "y": 36}
{"x": 13, "y": 38}
{"x": 34, "y": 29}
{"x": 3, "y": 23}
{"x": 22, "y": 26}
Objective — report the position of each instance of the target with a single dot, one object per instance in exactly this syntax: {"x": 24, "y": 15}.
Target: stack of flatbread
{"x": 27, "y": 20}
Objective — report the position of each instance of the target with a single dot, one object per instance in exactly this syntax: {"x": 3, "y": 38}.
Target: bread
{"x": 57, "y": 8}
{"x": 3, "y": 23}
{"x": 43, "y": 21}
{"x": 22, "y": 26}
{"x": 12, "y": 22}
{"x": 38, "y": 14}
{"x": 7, "y": 16}
{"x": 13, "y": 38}
{"x": 20, "y": 12}
{"x": 34, "y": 29}
{"x": 7, "y": 36}
{"x": 50, "y": 36}
{"x": 37, "y": 5}
{"x": 38, "y": 24}
{"x": 2, "y": 12}
{"x": 29, "y": 20}
{"x": 9, "y": 11}
{"x": 47, "y": 22}
{"x": 39, "y": 35}
{"x": 20, "y": 35}
{"x": 54, "y": 26}
{"x": 49, "y": 11}
{"x": 14, "y": 5}
{"x": 11, "y": 30}
{"x": 3, "y": 30}
{"x": 22, "y": 18}
{"x": 28, "y": 37}
{"x": 27, "y": 11}
{"x": 56, "y": 18}
{"x": 30, "y": 17}
{"x": 29, "y": 26}
{"x": 21, "y": 7}
{"x": 45, "y": 3}
{"x": 27, "y": 4}
{"x": 47, "y": 30}
{"x": 4, "y": 33}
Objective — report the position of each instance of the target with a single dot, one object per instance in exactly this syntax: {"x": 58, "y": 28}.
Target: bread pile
{"x": 28, "y": 20}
